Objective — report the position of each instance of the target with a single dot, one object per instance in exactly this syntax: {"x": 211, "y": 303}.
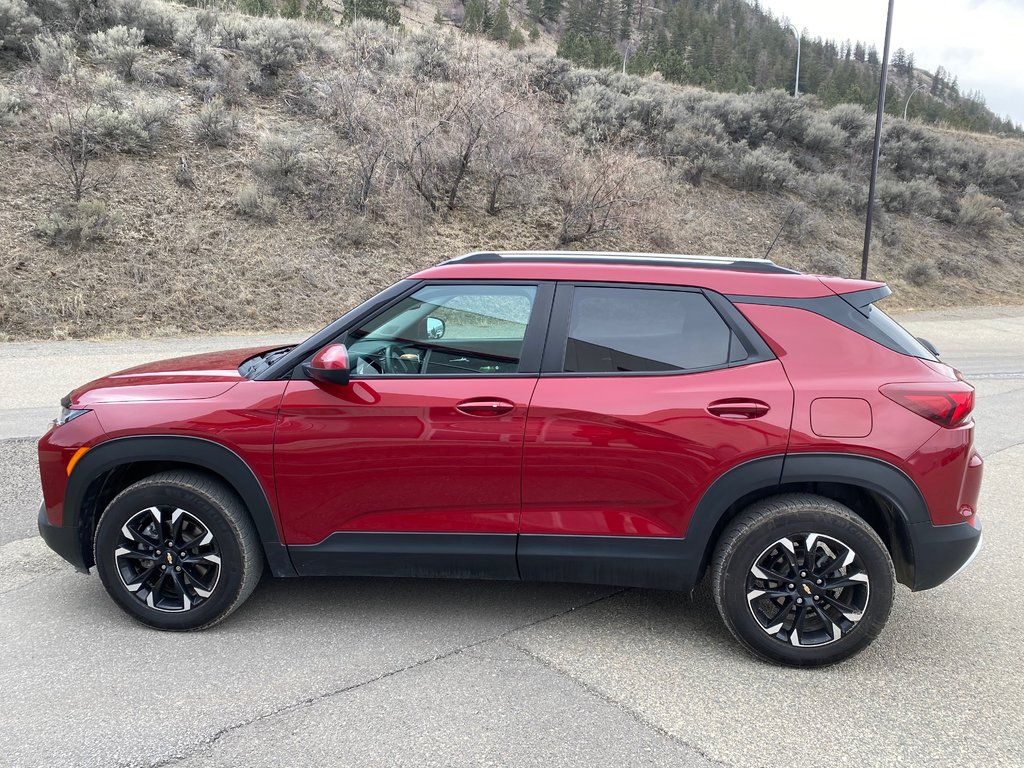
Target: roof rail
{"x": 632, "y": 259}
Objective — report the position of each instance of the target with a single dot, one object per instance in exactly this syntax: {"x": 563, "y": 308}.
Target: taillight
{"x": 946, "y": 404}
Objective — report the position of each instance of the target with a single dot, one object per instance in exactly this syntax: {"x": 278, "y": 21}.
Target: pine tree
{"x": 535, "y": 8}
{"x": 473, "y": 22}
{"x": 500, "y": 27}
{"x": 610, "y": 19}
{"x": 575, "y": 47}
{"x": 859, "y": 52}
{"x": 534, "y": 32}
{"x": 381, "y": 10}
{"x": 257, "y": 7}
{"x": 626, "y": 28}
{"x": 552, "y": 9}
{"x": 291, "y": 9}
{"x": 899, "y": 61}
{"x": 516, "y": 39}
{"x": 317, "y": 10}
{"x": 488, "y": 17}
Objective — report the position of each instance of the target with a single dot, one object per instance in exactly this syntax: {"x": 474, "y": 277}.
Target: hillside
{"x": 723, "y": 45}
{"x": 735, "y": 45}
{"x": 173, "y": 170}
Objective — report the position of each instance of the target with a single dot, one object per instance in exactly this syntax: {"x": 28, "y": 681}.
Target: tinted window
{"x": 902, "y": 339}
{"x": 454, "y": 330}
{"x": 639, "y": 329}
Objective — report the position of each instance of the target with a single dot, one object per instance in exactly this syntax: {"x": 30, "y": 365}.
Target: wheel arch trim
{"x": 778, "y": 471}
{"x": 204, "y": 454}
{"x": 885, "y": 479}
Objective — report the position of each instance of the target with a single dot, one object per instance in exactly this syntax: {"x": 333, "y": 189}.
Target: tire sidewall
{"x": 852, "y": 532}
{"x": 108, "y": 535}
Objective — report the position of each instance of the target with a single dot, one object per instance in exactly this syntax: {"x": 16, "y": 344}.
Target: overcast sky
{"x": 977, "y": 40}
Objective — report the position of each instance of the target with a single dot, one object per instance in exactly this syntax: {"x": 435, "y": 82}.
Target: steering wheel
{"x": 394, "y": 363}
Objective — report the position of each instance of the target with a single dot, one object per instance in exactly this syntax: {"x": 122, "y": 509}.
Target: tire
{"x": 213, "y": 564}
{"x": 833, "y": 612}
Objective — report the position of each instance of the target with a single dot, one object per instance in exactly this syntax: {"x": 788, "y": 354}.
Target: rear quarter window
{"x": 902, "y": 340}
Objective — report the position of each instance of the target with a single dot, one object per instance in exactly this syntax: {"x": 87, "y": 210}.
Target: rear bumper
{"x": 63, "y": 541}
{"x": 942, "y": 551}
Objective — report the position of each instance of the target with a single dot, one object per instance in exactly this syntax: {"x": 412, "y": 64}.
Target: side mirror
{"x": 435, "y": 328}
{"x": 329, "y": 365}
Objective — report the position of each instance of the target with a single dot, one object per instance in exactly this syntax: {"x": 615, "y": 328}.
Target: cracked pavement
{"x": 398, "y": 672}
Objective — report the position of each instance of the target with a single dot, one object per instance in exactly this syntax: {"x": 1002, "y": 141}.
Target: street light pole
{"x": 907, "y": 105}
{"x": 796, "y": 85}
{"x": 878, "y": 144}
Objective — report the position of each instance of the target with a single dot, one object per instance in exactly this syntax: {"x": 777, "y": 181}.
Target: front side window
{"x": 644, "y": 329}
{"x": 466, "y": 330}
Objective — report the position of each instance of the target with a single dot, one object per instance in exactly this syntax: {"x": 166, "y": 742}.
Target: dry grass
{"x": 188, "y": 257}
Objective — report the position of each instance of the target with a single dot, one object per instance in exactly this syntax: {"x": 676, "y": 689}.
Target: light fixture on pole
{"x": 796, "y": 34}
{"x": 907, "y": 105}
{"x": 878, "y": 144}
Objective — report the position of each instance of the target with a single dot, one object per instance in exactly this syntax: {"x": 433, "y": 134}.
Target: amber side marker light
{"x": 74, "y": 459}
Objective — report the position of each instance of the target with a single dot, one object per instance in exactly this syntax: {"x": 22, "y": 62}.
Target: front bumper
{"x": 63, "y": 541}
{"x": 942, "y": 551}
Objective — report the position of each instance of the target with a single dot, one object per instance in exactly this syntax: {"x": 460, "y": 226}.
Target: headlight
{"x": 67, "y": 414}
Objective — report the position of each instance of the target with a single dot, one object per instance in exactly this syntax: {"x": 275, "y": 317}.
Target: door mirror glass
{"x": 329, "y": 365}
{"x": 435, "y": 328}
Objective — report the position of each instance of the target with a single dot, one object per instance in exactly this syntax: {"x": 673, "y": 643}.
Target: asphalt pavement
{"x": 321, "y": 672}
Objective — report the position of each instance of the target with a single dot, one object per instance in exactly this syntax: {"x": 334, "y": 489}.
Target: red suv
{"x": 601, "y": 418}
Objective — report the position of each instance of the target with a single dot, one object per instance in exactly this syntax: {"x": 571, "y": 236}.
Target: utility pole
{"x": 878, "y": 144}
{"x": 796, "y": 85}
{"x": 907, "y": 105}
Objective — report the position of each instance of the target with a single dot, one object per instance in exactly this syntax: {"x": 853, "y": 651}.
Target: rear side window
{"x": 622, "y": 330}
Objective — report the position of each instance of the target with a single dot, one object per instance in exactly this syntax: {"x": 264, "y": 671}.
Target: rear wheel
{"x": 178, "y": 551}
{"x": 802, "y": 580}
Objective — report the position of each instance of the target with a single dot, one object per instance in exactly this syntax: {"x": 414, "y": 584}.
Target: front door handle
{"x": 485, "y": 407}
{"x": 738, "y": 408}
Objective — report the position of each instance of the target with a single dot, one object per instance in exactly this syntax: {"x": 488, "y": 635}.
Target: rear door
{"x": 647, "y": 395}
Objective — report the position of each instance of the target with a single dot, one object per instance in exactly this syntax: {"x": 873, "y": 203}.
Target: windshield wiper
{"x": 272, "y": 357}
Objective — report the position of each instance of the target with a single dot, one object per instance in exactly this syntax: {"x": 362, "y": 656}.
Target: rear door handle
{"x": 738, "y": 408}
{"x": 485, "y": 407}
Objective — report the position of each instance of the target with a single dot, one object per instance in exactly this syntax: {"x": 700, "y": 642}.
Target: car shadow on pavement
{"x": 471, "y": 608}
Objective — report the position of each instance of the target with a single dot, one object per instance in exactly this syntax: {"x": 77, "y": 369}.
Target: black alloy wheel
{"x": 808, "y": 589}
{"x": 802, "y": 580}
{"x": 177, "y": 550}
{"x": 168, "y": 559}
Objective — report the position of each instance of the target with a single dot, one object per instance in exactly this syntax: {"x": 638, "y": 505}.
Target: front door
{"x": 414, "y": 467}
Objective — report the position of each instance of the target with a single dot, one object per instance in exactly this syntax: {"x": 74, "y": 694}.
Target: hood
{"x": 195, "y": 377}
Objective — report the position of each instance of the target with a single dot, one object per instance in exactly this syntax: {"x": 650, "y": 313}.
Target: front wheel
{"x": 178, "y": 551}
{"x": 801, "y": 580}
